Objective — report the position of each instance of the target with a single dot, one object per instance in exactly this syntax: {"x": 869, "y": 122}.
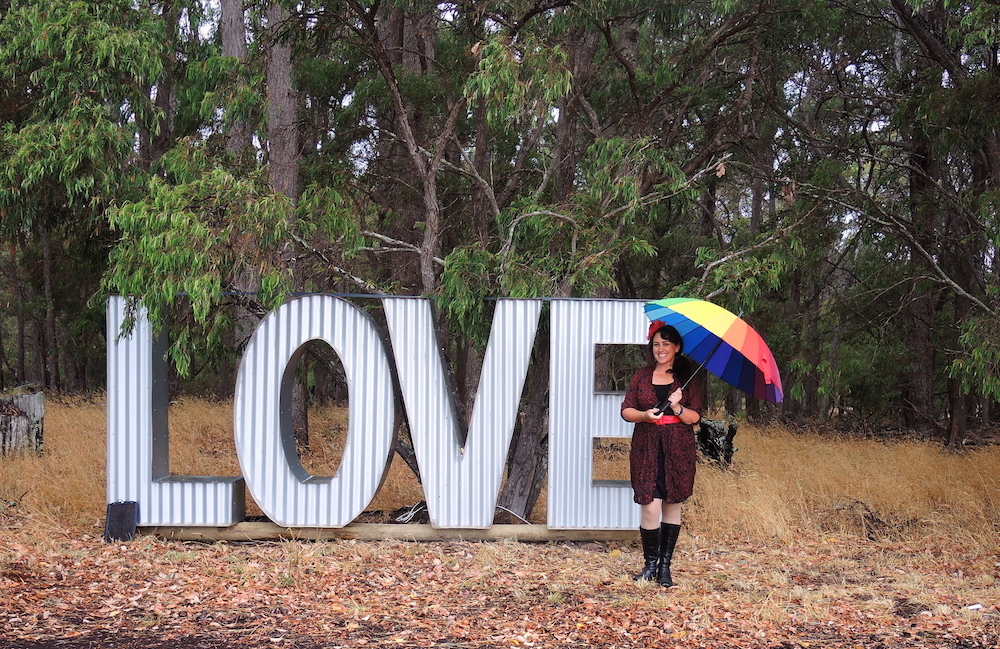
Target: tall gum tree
{"x": 81, "y": 70}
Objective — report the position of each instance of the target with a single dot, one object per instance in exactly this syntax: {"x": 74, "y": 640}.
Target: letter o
{"x": 262, "y": 422}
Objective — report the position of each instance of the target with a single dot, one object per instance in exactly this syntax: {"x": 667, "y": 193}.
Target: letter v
{"x": 461, "y": 485}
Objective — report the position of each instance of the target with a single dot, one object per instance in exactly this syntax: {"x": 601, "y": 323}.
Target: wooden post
{"x": 267, "y": 531}
{"x": 21, "y": 422}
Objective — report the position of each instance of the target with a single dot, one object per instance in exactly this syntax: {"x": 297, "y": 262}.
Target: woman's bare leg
{"x": 650, "y": 519}
{"x": 671, "y": 513}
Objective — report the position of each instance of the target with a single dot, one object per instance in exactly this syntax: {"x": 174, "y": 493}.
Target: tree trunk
{"x": 70, "y": 382}
{"x": 402, "y": 44}
{"x": 152, "y": 145}
{"x": 52, "y": 378}
{"x": 39, "y": 373}
{"x": 756, "y": 203}
{"x": 163, "y": 140}
{"x": 812, "y": 349}
{"x": 763, "y": 170}
{"x": 753, "y": 409}
{"x": 826, "y": 407}
{"x": 300, "y": 412}
{"x": 232, "y": 27}
{"x": 568, "y": 149}
{"x": 22, "y": 368}
{"x": 920, "y": 390}
{"x": 482, "y": 214}
{"x": 282, "y": 110}
{"x": 734, "y": 402}
{"x": 709, "y": 207}
{"x": 956, "y": 397}
{"x": 234, "y": 43}
{"x": 283, "y": 165}
{"x": 527, "y": 464}
{"x": 3, "y": 358}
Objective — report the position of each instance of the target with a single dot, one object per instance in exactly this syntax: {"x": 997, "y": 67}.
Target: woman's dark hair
{"x": 682, "y": 364}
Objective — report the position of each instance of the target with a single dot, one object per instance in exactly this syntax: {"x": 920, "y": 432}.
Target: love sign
{"x": 387, "y": 376}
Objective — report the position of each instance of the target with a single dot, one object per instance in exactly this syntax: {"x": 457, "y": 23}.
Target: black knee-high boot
{"x": 668, "y": 541}
{"x": 650, "y": 553}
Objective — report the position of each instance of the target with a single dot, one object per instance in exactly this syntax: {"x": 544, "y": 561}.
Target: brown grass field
{"x": 807, "y": 540}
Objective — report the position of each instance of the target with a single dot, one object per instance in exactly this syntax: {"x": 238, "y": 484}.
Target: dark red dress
{"x": 672, "y": 444}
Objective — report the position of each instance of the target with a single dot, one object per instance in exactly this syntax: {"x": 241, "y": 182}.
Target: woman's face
{"x": 664, "y": 350}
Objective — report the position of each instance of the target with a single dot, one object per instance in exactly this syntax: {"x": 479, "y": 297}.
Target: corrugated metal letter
{"x": 461, "y": 485}
{"x": 138, "y": 442}
{"x": 577, "y": 414}
{"x": 281, "y": 486}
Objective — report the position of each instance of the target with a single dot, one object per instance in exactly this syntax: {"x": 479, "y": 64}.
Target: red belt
{"x": 668, "y": 419}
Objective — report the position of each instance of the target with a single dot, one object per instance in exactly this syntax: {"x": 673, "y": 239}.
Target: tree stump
{"x": 715, "y": 441}
{"x": 21, "y": 423}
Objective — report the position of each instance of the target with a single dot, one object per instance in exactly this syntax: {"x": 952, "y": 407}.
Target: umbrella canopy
{"x": 727, "y": 346}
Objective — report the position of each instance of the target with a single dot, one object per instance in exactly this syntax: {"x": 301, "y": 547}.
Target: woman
{"x": 663, "y": 452}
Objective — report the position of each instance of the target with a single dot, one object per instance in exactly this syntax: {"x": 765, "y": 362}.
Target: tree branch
{"x": 354, "y": 279}
{"x": 892, "y": 223}
{"x": 746, "y": 251}
{"x": 505, "y": 249}
{"x": 401, "y": 245}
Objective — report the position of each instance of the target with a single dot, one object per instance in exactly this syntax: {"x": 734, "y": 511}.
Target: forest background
{"x": 829, "y": 169}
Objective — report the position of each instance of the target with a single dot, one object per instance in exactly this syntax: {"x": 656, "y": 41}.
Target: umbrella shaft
{"x": 660, "y": 407}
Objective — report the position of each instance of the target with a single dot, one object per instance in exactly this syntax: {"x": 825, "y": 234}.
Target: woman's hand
{"x": 674, "y": 400}
{"x": 637, "y": 416}
{"x": 652, "y": 415}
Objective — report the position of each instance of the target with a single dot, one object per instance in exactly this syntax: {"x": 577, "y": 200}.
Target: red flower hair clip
{"x": 654, "y": 326}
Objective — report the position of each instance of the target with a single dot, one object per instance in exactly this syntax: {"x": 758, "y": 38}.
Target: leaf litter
{"x": 818, "y": 591}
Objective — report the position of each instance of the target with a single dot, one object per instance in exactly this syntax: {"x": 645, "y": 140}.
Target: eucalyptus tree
{"x": 884, "y": 136}
{"x": 955, "y": 176}
{"x": 568, "y": 138}
{"x": 479, "y": 150}
{"x": 749, "y": 152}
{"x": 75, "y": 76}
{"x": 925, "y": 179}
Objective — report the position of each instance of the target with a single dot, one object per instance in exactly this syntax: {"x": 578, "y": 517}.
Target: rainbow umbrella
{"x": 723, "y": 343}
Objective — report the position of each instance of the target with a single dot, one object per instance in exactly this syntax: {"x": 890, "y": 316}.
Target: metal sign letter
{"x": 138, "y": 442}
{"x": 461, "y": 484}
{"x": 577, "y": 414}
{"x": 286, "y": 493}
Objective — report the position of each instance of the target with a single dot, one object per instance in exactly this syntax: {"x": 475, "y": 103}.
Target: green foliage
{"x": 978, "y": 366}
{"x": 195, "y": 233}
{"x": 71, "y": 50}
{"x": 784, "y": 158}
{"x": 869, "y": 383}
{"x": 749, "y": 277}
{"x": 74, "y": 160}
{"x": 219, "y": 88}
{"x": 513, "y": 77}
{"x": 469, "y": 277}
{"x": 84, "y": 68}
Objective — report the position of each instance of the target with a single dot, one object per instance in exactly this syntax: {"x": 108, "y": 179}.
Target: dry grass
{"x": 64, "y": 487}
{"x": 780, "y": 482}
